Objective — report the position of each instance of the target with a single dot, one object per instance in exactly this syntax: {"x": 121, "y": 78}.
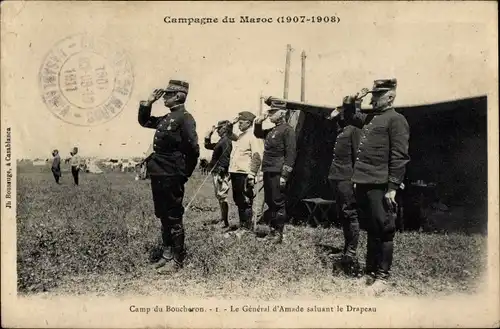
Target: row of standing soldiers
{"x": 236, "y": 159}
{"x": 371, "y": 153}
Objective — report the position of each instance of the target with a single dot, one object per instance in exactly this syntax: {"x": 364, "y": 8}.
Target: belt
{"x": 175, "y": 153}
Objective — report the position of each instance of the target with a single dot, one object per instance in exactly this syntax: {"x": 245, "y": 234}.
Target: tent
{"x": 93, "y": 168}
{"x": 448, "y": 144}
{"x": 39, "y": 162}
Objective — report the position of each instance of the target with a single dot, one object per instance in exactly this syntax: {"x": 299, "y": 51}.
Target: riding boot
{"x": 371, "y": 255}
{"x": 279, "y": 223}
{"x": 166, "y": 236}
{"x": 350, "y": 266}
{"x": 178, "y": 244}
{"x": 385, "y": 260}
{"x": 224, "y": 208}
{"x": 245, "y": 218}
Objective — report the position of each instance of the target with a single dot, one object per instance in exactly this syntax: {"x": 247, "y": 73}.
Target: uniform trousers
{"x": 220, "y": 181}
{"x": 168, "y": 194}
{"x": 243, "y": 197}
{"x": 274, "y": 197}
{"x": 75, "y": 171}
{"x": 57, "y": 174}
{"x": 348, "y": 215}
{"x": 380, "y": 223}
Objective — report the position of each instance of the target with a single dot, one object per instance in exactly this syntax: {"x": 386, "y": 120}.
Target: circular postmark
{"x": 85, "y": 80}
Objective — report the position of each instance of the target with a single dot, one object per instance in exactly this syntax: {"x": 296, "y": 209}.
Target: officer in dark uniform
{"x": 277, "y": 165}
{"x": 176, "y": 153}
{"x": 378, "y": 172}
{"x": 341, "y": 170}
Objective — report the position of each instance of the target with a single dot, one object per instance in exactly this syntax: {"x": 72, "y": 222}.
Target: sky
{"x": 438, "y": 52}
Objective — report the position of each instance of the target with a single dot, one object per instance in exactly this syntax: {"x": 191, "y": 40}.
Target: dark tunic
{"x": 56, "y": 165}
{"x": 221, "y": 154}
{"x": 345, "y": 152}
{"x": 380, "y": 165}
{"x": 175, "y": 144}
{"x": 383, "y": 149}
{"x": 277, "y": 162}
{"x": 279, "y": 148}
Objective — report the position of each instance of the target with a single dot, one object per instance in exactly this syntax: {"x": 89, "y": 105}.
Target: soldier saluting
{"x": 341, "y": 170}
{"x": 378, "y": 172}
{"x": 219, "y": 165}
{"x": 244, "y": 164}
{"x": 174, "y": 158}
{"x": 277, "y": 165}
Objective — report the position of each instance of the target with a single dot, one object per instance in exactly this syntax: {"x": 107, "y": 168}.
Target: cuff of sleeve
{"x": 393, "y": 186}
{"x": 286, "y": 171}
{"x": 335, "y": 113}
{"x": 145, "y": 103}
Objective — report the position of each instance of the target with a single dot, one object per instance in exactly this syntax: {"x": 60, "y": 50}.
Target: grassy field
{"x": 101, "y": 236}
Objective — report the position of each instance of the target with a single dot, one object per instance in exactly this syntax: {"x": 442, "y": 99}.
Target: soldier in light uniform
{"x": 176, "y": 153}
{"x": 378, "y": 173}
{"x": 219, "y": 165}
{"x": 277, "y": 165}
{"x": 244, "y": 165}
{"x": 76, "y": 165}
{"x": 341, "y": 170}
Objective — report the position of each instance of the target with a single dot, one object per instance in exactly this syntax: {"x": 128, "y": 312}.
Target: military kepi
{"x": 177, "y": 86}
{"x": 246, "y": 115}
{"x": 277, "y": 105}
{"x": 222, "y": 123}
{"x": 383, "y": 85}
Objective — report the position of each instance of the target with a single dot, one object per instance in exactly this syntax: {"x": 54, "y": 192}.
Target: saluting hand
{"x": 390, "y": 198}
{"x": 362, "y": 93}
{"x": 235, "y": 120}
{"x": 210, "y": 132}
{"x": 157, "y": 93}
{"x": 262, "y": 117}
{"x": 334, "y": 114}
{"x": 268, "y": 100}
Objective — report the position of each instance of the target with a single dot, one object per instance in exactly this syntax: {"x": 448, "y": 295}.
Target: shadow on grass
{"x": 325, "y": 253}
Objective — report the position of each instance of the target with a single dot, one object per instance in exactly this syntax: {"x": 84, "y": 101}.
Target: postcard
{"x": 249, "y": 164}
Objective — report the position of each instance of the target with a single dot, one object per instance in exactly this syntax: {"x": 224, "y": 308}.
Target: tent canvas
{"x": 93, "y": 168}
{"x": 448, "y": 144}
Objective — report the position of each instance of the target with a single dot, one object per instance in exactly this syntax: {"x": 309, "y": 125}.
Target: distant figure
{"x": 219, "y": 165}
{"x": 56, "y": 165}
{"x": 76, "y": 163}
